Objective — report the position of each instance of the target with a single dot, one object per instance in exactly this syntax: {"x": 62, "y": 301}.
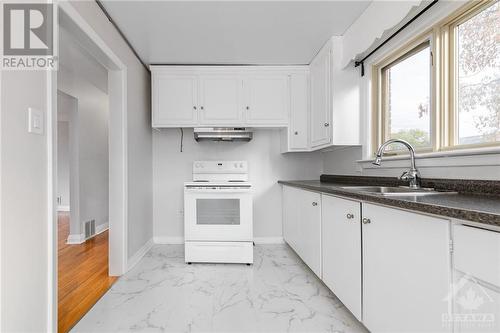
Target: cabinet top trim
{"x": 239, "y": 68}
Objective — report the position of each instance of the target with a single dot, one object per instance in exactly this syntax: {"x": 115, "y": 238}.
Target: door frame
{"x": 66, "y": 15}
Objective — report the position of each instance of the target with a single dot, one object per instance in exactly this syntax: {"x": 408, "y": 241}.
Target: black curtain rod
{"x": 362, "y": 61}
{"x": 99, "y": 3}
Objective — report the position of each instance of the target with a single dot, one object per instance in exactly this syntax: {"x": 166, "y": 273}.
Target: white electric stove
{"x": 218, "y": 223}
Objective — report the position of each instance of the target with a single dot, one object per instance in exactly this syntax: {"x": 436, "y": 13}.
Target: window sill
{"x": 461, "y": 157}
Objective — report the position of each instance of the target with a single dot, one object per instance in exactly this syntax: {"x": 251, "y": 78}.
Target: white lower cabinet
{"x": 476, "y": 279}
{"x": 391, "y": 268}
{"x": 341, "y": 246}
{"x": 291, "y": 197}
{"x": 406, "y": 271}
{"x": 302, "y": 225}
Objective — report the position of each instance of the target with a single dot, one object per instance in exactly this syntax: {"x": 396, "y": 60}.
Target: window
{"x": 475, "y": 58}
{"x": 406, "y": 101}
{"x": 464, "y": 81}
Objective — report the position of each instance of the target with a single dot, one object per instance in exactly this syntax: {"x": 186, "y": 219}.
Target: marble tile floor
{"x": 163, "y": 294}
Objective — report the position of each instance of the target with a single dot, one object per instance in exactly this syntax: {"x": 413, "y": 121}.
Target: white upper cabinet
{"x": 220, "y": 100}
{"x": 175, "y": 99}
{"x": 321, "y": 94}
{"x": 296, "y": 136}
{"x": 267, "y": 100}
{"x": 315, "y": 105}
{"x": 239, "y": 96}
{"x": 406, "y": 270}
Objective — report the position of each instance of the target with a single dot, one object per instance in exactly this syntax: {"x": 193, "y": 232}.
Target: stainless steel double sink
{"x": 396, "y": 190}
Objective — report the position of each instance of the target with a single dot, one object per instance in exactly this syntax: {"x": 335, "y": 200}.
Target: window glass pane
{"x": 478, "y": 98}
{"x": 408, "y": 99}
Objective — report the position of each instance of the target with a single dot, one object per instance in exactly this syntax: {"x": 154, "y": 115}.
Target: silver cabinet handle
{"x": 314, "y": 203}
{"x": 350, "y": 216}
{"x": 366, "y": 221}
{"x": 327, "y": 124}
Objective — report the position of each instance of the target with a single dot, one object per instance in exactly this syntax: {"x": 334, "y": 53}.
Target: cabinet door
{"x": 310, "y": 230}
{"x": 299, "y": 112}
{"x": 291, "y": 200}
{"x": 406, "y": 271}
{"x": 478, "y": 304}
{"x": 267, "y": 100}
{"x": 321, "y": 99}
{"x": 341, "y": 243}
{"x": 174, "y": 100}
{"x": 220, "y": 101}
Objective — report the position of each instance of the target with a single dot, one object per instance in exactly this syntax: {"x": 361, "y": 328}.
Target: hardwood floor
{"x": 82, "y": 274}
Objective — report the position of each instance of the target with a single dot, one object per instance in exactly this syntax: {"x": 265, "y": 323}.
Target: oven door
{"x": 220, "y": 214}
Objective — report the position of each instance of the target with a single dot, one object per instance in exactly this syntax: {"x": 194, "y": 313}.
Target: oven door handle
{"x": 218, "y": 190}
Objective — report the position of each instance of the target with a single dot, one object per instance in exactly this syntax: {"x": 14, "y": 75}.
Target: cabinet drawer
{"x": 477, "y": 253}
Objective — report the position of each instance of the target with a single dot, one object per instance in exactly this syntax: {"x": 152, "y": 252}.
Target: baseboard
{"x": 180, "y": 240}
{"x": 63, "y": 208}
{"x": 79, "y": 239}
{"x": 132, "y": 261}
{"x": 101, "y": 228}
{"x": 268, "y": 240}
{"x": 75, "y": 239}
{"x": 169, "y": 240}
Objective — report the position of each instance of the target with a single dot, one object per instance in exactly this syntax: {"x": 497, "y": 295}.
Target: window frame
{"x": 450, "y": 72}
{"x": 443, "y": 111}
{"x": 379, "y": 105}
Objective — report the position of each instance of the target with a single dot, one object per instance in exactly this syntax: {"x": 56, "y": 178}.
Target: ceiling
{"x": 231, "y": 32}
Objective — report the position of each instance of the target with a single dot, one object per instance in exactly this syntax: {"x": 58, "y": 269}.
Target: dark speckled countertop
{"x": 477, "y": 201}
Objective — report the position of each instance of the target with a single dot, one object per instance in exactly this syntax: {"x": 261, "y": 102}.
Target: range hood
{"x": 223, "y": 134}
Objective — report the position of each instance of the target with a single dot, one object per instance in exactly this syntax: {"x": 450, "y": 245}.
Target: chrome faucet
{"x": 412, "y": 175}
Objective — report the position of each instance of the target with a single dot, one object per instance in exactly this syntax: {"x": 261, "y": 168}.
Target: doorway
{"x": 93, "y": 242}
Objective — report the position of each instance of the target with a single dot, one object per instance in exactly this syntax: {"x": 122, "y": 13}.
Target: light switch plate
{"x": 35, "y": 121}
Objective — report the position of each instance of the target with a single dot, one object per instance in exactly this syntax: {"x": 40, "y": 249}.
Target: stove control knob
{"x": 241, "y": 165}
{"x": 235, "y": 165}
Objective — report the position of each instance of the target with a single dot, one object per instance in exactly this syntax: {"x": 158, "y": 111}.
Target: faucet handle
{"x": 406, "y": 176}
{"x": 413, "y": 177}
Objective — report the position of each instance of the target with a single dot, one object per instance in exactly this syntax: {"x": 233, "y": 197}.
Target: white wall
{"x": 67, "y": 110}
{"x": 171, "y": 169}
{"x": 139, "y": 133}
{"x": 63, "y": 163}
{"x": 24, "y": 215}
{"x": 345, "y": 102}
{"x": 92, "y": 147}
{"x": 342, "y": 161}
{"x": 369, "y": 27}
